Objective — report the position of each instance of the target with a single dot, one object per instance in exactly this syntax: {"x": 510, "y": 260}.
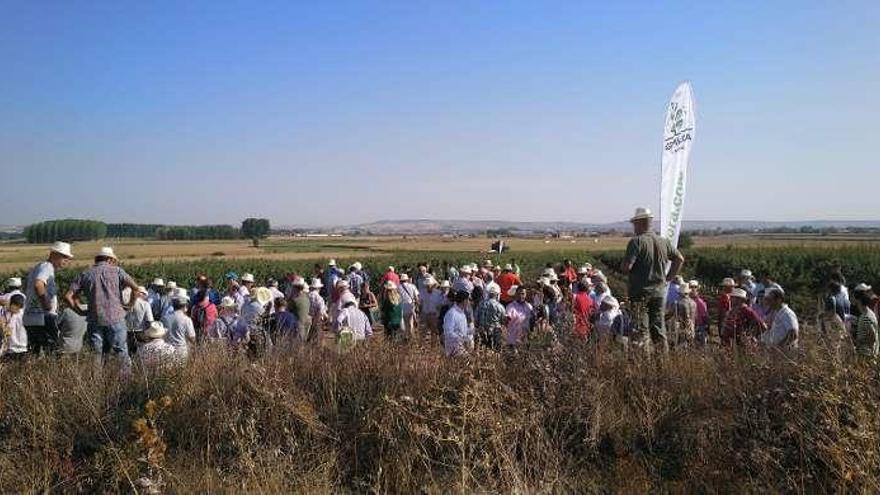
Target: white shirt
{"x": 180, "y": 328}
{"x": 354, "y": 319}
{"x": 431, "y": 301}
{"x": 783, "y": 328}
{"x": 457, "y": 336}
{"x": 16, "y": 342}
{"x": 409, "y": 297}
{"x": 156, "y": 352}
{"x": 33, "y": 310}
{"x": 139, "y": 316}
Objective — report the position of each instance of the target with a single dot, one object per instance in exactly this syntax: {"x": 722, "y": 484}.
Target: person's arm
{"x": 629, "y": 259}
{"x": 68, "y": 297}
{"x": 677, "y": 262}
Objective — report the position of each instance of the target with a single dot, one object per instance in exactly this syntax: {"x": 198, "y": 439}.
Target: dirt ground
{"x": 17, "y": 256}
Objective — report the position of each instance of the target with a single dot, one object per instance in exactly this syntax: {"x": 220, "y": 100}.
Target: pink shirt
{"x": 519, "y": 317}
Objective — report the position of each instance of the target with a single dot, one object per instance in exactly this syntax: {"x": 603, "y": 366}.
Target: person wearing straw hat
{"x": 646, "y": 261}
{"x": 409, "y": 303}
{"x": 490, "y": 318}
{"x": 154, "y": 296}
{"x": 140, "y": 315}
{"x": 13, "y": 286}
{"x": 226, "y": 322}
{"x": 102, "y": 283}
{"x": 317, "y": 313}
{"x": 684, "y": 322}
{"x": 41, "y": 300}
{"x": 430, "y": 299}
{"x": 253, "y": 323}
{"x": 742, "y": 326}
{"x": 181, "y": 331}
{"x": 154, "y": 351}
{"x": 724, "y": 302}
{"x": 392, "y": 314}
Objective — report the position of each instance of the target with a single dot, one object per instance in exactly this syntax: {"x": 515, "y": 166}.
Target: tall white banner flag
{"x": 678, "y": 137}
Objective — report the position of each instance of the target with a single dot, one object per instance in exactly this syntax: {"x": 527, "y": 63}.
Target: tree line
{"x": 86, "y": 230}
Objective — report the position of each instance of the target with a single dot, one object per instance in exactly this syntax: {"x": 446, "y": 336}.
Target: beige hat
{"x": 106, "y": 252}
{"x": 61, "y": 248}
{"x": 262, "y": 295}
{"x": 247, "y": 277}
{"x": 316, "y": 283}
{"x": 301, "y": 282}
{"x": 641, "y": 214}
{"x": 227, "y": 302}
{"x": 694, "y": 284}
{"x": 493, "y": 288}
{"x": 171, "y": 285}
{"x": 508, "y": 267}
{"x": 739, "y": 294}
{"x": 358, "y": 266}
{"x": 404, "y": 277}
{"x": 14, "y": 283}
{"x": 156, "y": 330}
{"x": 430, "y": 282}
{"x": 158, "y": 282}
{"x": 465, "y": 269}
{"x": 445, "y": 284}
{"x": 728, "y": 282}
{"x": 180, "y": 293}
{"x": 331, "y": 263}
{"x": 342, "y": 284}
{"x": 684, "y": 289}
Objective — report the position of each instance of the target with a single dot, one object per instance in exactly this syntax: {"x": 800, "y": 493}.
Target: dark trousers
{"x": 649, "y": 317}
{"x": 43, "y": 338}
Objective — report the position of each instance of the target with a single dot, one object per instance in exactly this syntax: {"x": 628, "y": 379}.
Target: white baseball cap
{"x": 247, "y": 277}
{"x": 331, "y": 263}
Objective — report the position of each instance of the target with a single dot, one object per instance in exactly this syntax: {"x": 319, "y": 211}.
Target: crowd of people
{"x": 473, "y": 306}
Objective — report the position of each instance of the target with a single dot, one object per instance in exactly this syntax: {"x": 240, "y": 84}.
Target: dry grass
{"x": 403, "y": 419}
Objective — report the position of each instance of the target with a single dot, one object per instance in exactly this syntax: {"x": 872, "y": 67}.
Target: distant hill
{"x": 437, "y": 227}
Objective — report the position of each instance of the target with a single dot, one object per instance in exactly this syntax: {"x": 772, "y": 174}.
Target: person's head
{"x": 201, "y": 296}
{"x": 834, "y": 287}
{"x": 461, "y": 298}
{"x": 430, "y": 284}
{"x": 727, "y": 285}
{"x": 231, "y": 280}
{"x": 445, "y": 287}
{"x": 494, "y": 291}
{"x": 423, "y": 268}
{"x": 170, "y": 287}
{"x": 227, "y": 305}
{"x": 178, "y": 303}
{"x": 202, "y": 282}
{"x": 601, "y": 288}
{"x": 583, "y": 285}
{"x": 280, "y": 304}
{"x": 247, "y": 280}
{"x": 60, "y": 254}
{"x": 567, "y": 263}
{"x": 641, "y": 221}
{"x": 141, "y": 293}
{"x": 521, "y": 294}
{"x": 16, "y": 303}
{"x": 609, "y": 304}
{"x": 349, "y": 304}
{"x": 863, "y": 297}
{"x": 774, "y": 298}
{"x": 738, "y": 297}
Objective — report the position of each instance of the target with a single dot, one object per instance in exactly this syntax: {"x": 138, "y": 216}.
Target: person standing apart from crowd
{"x": 865, "y": 336}
{"x": 784, "y": 329}
{"x": 102, "y": 284}
{"x": 646, "y": 260}
{"x": 457, "y": 337}
{"x": 41, "y": 300}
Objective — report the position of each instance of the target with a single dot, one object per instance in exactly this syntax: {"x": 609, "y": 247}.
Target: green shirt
{"x": 301, "y": 305}
{"x": 391, "y": 314}
{"x": 650, "y": 254}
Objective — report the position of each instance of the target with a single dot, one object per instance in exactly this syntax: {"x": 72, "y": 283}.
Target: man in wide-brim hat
{"x": 651, "y": 262}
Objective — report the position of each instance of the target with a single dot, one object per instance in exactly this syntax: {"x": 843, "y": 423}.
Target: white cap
{"x": 331, "y": 263}
{"x": 641, "y": 214}
{"x": 465, "y": 269}
{"x": 158, "y": 282}
{"x": 445, "y": 284}
{"x": 247, "y": 277}
{"x": 358, "y": 266}
{"x": 171, "y": 285}
{"x": 404, "y": 277}
{"x": 494, "y": 288}
{"x": 181, "y": 294}
{"x": 430, "y": 281}
{"x": 728, "y": 282}
{"x": 694, "y": 284}
{"x": 342, "y": 284}
{"x": 583, "y": 270}
{"x": 862, "y": 287}
{"x": 106, "y": 252}
{"x": 746, "y": 274}
{"x": 316, "y": 282}
{"x": 301, "y": 282}
{"x": 508, "y": 267}
{"x": 227, "y": 302}
{"x": 61, "y": 248}
{"x": 14, "y": 282}
{"x": 156, "y": 330}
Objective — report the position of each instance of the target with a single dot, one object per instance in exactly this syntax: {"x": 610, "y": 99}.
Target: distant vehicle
{"x": 499, "y": 247}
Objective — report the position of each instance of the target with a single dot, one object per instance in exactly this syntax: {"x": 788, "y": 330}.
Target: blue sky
{"x": 345, "y": 112}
